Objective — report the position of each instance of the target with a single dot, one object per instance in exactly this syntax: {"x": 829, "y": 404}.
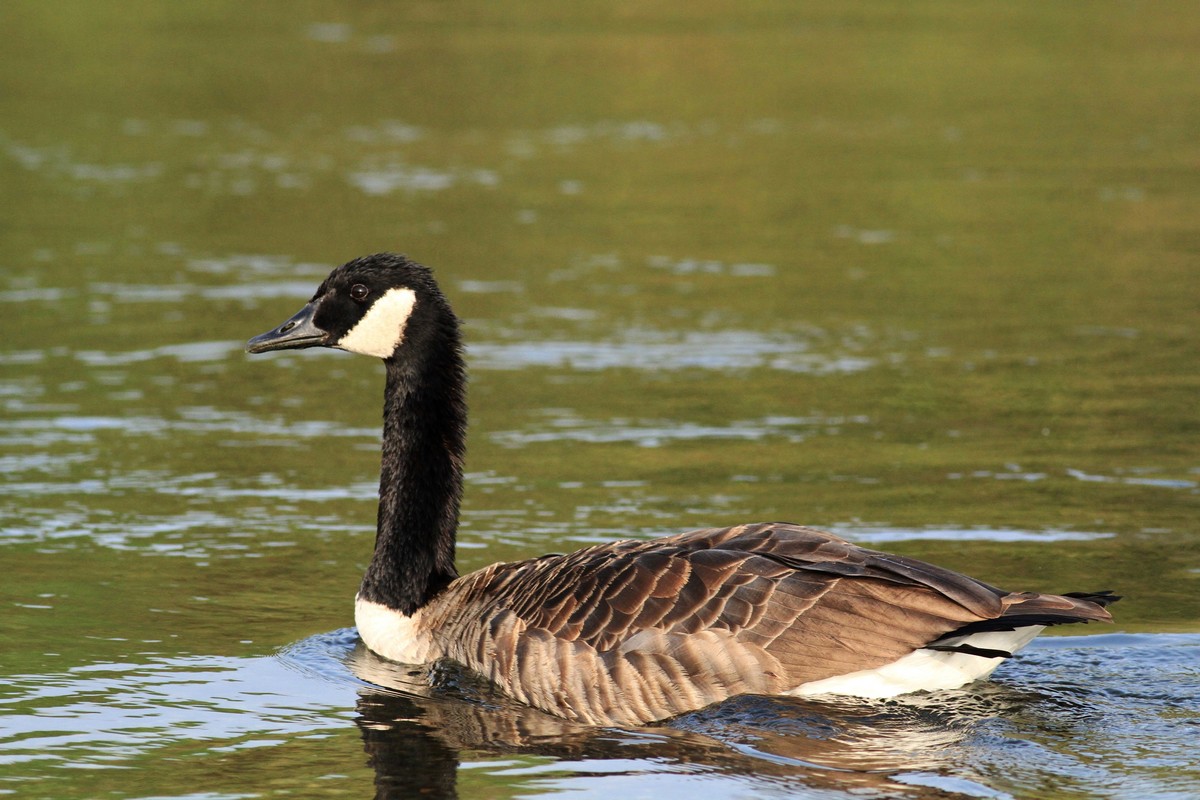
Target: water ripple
{"x": 560, "y": 426}
{"x": 193, "y": 420}
{"x": 1134, "y": 480}
{"x": 645, "y": 350}
{"x": 870, "y": 535}
{"x": 94, "y": 714}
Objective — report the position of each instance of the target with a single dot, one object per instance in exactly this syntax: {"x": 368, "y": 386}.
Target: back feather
{"x": 635, "y": 631}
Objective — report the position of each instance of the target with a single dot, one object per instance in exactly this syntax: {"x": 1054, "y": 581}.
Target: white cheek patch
{"x": 381, "y": 329}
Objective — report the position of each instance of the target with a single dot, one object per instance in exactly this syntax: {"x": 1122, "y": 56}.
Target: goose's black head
{"x": 371, "y": 305}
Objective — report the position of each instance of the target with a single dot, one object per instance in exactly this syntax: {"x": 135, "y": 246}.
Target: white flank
{"x": 391, "y": 634}
{"x": 925, "y": 670}
{"x": 381, "y": 329}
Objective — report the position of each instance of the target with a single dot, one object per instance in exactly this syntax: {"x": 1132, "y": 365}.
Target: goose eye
{"x": 359, "y": 292}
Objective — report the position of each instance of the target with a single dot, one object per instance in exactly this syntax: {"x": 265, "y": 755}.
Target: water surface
{"x": 920, "y": 274}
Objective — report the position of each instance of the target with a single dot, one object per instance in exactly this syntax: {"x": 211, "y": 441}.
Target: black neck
{"x": 420, "y": 484}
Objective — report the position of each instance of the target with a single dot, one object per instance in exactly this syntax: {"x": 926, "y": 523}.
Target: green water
{"x": 922, "y": 273}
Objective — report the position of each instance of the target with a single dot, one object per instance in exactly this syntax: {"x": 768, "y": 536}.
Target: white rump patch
{"x": 925, "y": 670}
{"x": 393, "y": 635}
{"x": 381, "y": 329}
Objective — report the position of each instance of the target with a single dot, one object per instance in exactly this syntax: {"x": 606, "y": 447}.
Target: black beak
{"x": 295, "y": 334}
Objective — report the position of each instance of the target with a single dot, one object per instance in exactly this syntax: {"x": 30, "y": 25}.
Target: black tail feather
{"x": 969, "y": 649}
{"x": 1103, "y": 598}
{"x": 1043, "y": 616}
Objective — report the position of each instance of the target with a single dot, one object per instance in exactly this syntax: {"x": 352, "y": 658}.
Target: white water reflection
{"x": 186, "y": 352}
{"x": 562, "y": 425}
{"x": 243, "y": 265}
{"x": 103, "y": 714}
{"x": 59, "y": 162}
{"x": 645, "y": 349}
{"x": 178, "y": 292}
{"x": 1142, "y": 477}
{"x": 38, "y": 294}
{"x": 200, "y": 419}
{"x": 389, "y": 177}
{"x": 880, "y": 535}
{"x": 703, "y": 266}
{"x": 490, "y": 287}
{"x": 1134, "y": 480}
{"x": 192, "y": 533}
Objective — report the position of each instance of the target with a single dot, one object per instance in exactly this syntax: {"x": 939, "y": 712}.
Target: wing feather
{"x": 638, "y": 630}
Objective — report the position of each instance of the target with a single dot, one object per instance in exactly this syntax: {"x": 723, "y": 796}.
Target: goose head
{"x": 389, "y": 307}
{"x": 371, "y": 305}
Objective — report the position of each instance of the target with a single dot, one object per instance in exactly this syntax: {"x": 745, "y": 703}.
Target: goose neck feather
{"x": 420, "y": 484}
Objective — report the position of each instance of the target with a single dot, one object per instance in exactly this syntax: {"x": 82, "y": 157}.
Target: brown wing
{"x": 820, "y": 605}
{"x": 683, "y": 621}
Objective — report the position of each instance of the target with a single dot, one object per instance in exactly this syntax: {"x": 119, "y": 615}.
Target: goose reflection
{"x": 420, "y": 725}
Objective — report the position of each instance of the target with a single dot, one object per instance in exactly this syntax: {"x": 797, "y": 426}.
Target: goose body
{"x": 631, "y": 631}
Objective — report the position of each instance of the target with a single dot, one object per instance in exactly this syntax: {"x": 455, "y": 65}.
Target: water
{"x": 1077, "y": 714}
{"x": 919, "y": 274}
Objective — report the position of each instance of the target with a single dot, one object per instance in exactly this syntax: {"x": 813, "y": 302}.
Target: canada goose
{"x": 632, "y": 631}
